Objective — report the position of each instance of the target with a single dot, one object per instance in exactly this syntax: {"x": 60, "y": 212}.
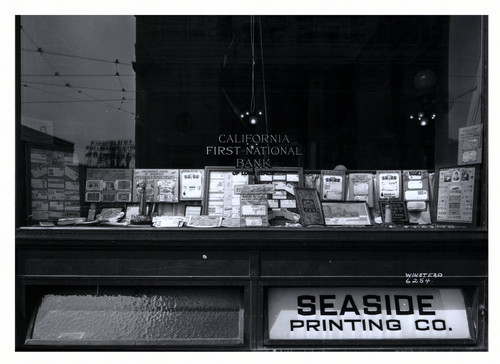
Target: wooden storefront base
{"x": 254, "y": 260}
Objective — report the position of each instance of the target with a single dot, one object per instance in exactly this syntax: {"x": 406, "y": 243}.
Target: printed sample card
{"x": 360, "y": 188}
{"x": 456, "y": 195}
{"x": 109, "y": 185}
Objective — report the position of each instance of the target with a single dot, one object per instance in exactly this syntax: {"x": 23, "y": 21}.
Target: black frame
{"x": 372, "y": 343}
{"x": 66, "y": 239}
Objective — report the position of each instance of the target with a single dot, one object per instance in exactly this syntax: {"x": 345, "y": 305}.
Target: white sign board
{"x": 341, "y": 313}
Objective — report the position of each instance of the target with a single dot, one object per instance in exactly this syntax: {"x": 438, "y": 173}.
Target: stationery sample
{"x": 204, "y": 221}
{"x": 54, "y": 184}
{"x": 192, "y": 211}
{"x": 108, "y": 185}
{"x": 470, "y": 145}
{"x": 162, "y": 185}
{"x": 168, "y": 221}
{"x": 456, "y": 191}
{"x": 417, "y": 194}
{"x": 346, "y": 213}
{"x": 309, "y": 207}
{"x": 132, "y": 211}
{"x": 220, "y": 198}
{"x": 332, "y": 185}
{"x": 313, "y": 180}
{"x": 253, "y": 210}
{"x": 254, "y": 189}
{"x": 389, "y": 185}
{"x": 360, "y": 188}
{"x": 191, "y": 184}
{"x": 110, "y": 215}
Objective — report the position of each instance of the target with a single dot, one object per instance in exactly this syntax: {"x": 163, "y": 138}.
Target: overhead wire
{"x": 74, "y": 99}
{"x": 72, "y": 56}
{"x": 73, "y": 75}
{"x": 82, "y": 87}
{"x": 66, "y": 83}
{"x": 121, "y": 84}
{"x": 64, "y": 101}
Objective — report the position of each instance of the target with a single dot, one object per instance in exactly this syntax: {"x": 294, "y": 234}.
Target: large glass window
{"x": 131, "y": 93}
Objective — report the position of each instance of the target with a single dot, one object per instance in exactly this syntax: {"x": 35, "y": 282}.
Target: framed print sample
{"x": 457, "y": 195}
{"x": 346, "y": 213}
{"x": 219, "y": 198}
{"x": 53, "y": 184}
{"x": 309, "y": 206}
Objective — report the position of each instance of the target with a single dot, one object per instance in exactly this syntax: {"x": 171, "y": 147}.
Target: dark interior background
{"x": 341, "y": 87}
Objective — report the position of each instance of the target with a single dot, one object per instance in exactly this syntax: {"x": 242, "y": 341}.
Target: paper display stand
{"x": 54, "y": 183}
{"x": 283, "y": 200}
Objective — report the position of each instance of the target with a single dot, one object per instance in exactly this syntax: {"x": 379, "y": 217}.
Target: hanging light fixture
{"x": 253, "y": 116}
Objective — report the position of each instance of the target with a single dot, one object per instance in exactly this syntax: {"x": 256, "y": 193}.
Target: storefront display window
{"x": 249, "y": 152}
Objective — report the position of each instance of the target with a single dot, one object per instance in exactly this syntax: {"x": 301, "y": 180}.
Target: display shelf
{"x": 258, "y": 237}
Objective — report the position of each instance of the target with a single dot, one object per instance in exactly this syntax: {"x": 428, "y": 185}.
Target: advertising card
{"x": 389, "y": 185}
{"x": 456, "y": 191}
{"x": 115, "y": 184}
{"x": 360, "y": 188}
{"x": 470, "y": 145}
{"x": 162, "y": 185}
{"x": 332, "y": 185}
{"x": 191, "y": 184}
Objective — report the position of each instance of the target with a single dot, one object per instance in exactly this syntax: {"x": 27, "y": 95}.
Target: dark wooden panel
{"x": 122, "y": 262}
{"x": 373, "y": 263}
{"x": 433, "y": 237}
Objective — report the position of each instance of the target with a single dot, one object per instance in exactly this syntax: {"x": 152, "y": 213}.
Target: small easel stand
{"x": 142, "y": 201}
{"x": 388, "y": 213}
